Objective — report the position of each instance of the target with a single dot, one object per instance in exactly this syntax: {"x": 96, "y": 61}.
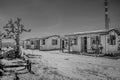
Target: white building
{"x": 26, "y": 44}
{"x": 104, "y": 41}
{"x": 50, "y": 43}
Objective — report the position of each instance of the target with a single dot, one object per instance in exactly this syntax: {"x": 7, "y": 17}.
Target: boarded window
{"x": 32, "y": 42}
{"x": 43, "y": 42}
{"x": 98, "y": 39}
{"x": 75, "y": 41}
{"x": 112, "y": 40}
{"x": 54, "y": 41}
{"x": 95, "y": 40}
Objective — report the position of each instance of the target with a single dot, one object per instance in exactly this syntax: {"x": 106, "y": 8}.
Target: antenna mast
{"x": 106, "y": 15}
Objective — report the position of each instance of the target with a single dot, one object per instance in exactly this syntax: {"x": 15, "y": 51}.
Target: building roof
{"x": 116, "y": 30}
{"x": 95, "y": 32}
{"x": 50, "y": 36}
{"x": 46, "y": 37}
{"x": 32, "y": 39}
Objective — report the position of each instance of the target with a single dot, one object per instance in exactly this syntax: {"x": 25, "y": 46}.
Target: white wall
{"x": 112, "y": 48}
{"x": 103, "y": 42}
{"x": 48, "y": 44}
{"x": 106, "y": 47}
{"x": 78, "y": 46}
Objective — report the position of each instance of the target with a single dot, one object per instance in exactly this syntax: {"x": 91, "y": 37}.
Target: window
{"x": 43, "y": 42}
{"x": 95, "y": 40}
{"x": 111, "y": 40}
{"x": 54, "y": 41}
{"x": 119, "y": 46}
{"x": 75, "y": 41}
{"x": 32, "y": 42}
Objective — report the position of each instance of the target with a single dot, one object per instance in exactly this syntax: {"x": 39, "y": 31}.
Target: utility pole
{"x": 106, "y": 15}
{"x": 106, "y": 21}
{"x": 13, "y": 31}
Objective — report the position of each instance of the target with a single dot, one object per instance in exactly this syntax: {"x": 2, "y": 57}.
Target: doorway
{"x": 83, "y": 44}
{"x": 63, "y": 44}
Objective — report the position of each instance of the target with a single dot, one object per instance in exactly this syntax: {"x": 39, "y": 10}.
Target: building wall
{"x": 35, "y": 44}
{"x": 107, "y": 48}
{"x": 48, "y": 44}
{"x": 112, "y": 48}
{"x": 28, "y": 44}
{"x": 24, "y": 44}
{"x": 89, "y": 42}
{"x": 78, "y": 46}
{"x": 103, "y": 42}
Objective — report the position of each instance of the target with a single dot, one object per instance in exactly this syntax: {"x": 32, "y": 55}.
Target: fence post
{"x": 28, "y": 66}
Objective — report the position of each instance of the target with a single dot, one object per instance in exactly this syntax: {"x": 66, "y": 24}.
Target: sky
{"x": 59, "y": 17}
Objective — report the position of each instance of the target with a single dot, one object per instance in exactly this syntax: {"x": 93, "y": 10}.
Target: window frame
{"x": 75, "y": 41}
{"x": 54, "y": 41}
{"x": 111, "y": 41}
{"x": 96, "y": 39}
{"x": 43, "y": 42}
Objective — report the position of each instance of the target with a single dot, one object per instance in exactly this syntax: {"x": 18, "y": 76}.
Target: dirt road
{"x": 55, "y": 65}
{"x": 79, "y": 67}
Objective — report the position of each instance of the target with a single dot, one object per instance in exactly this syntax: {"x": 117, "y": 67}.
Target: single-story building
{"x": 32, "y": 43}
{"x": 26, "y": 44}
{"x": 35, "y": 43}
{"x": 50, "y": 43}
{"x": 101, "y": 41}
{"x": 44, "y": 43}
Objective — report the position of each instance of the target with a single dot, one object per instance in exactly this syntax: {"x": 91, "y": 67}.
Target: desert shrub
{"x": 10, "y": 54}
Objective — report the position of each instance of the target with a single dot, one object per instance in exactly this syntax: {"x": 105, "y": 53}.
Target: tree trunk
{"x": 17, "y": 51}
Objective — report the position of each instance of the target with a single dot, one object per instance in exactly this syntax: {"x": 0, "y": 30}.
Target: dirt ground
{"x": 55, "y": 65}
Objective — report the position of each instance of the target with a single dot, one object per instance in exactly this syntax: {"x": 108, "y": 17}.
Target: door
{"x": 83, "y": 44}
{"x": 63, "y": 45}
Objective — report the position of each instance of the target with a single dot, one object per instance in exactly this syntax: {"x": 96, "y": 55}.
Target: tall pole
{"x": 106, "y": 15}
{"x": 106, "y": 22}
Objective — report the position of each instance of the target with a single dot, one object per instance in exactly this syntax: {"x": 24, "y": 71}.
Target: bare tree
{"x": 13, "y": 31}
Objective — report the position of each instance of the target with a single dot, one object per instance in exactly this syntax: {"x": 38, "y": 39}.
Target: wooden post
{"x": 1, "y": 70}
{"x": 29, "y": 66}
{"x": 16, "y": 77}
{"x": 60, "y": 44}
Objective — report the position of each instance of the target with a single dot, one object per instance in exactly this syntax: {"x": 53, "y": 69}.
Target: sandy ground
{"x": 55, "y": 65}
